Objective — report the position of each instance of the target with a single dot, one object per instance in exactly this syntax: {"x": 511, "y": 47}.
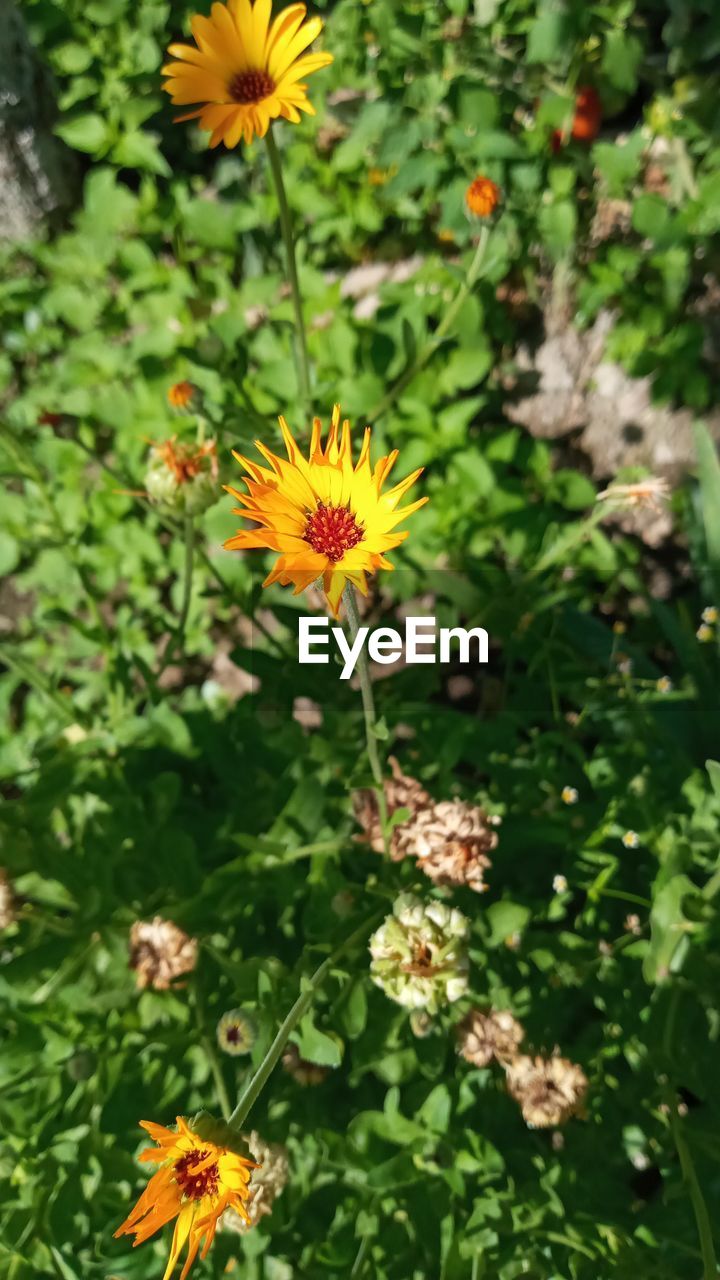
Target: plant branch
{"x": 251, "y": 1093}
{"x": 302, "y": 360}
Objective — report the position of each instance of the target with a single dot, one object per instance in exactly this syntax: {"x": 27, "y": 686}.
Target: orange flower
{"x": 482, "y": 197}
{"x": 186, "y": 462}
{"x": 326, "y": 517}
{"x": 586, "y": 119}
{"x": 181, "y": 394}
{"x": 198, "y": 1178}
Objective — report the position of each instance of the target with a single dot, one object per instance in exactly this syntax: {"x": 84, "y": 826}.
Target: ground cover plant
{"x": 410, "y": 976}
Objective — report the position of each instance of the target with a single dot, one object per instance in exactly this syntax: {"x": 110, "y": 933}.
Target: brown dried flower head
{"x": 266, "y": 1182}
{"x": 401, "y": 792}
{"x": 304, "y": 1072}
{"x": 160, "y": 952}
{"x": 451, "y": 841}
{"x": 549, "y": 1090}
{"x": 484, "y": 1036}
{"x": 7, "y": 901}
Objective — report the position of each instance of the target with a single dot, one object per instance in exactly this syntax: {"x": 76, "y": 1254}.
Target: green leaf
{"x": 505, "y": 919}
{"x": 85, "y": 133}
{"x": 621, "y": 59}
{"x": 709, "y": 478}
{"x": 317, "y": 1046}
{"x": 547, "y": 37}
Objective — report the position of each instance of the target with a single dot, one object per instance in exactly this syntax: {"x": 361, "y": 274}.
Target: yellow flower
{"x": 196, "y": 1181}
{"x": 245, "y": 71}
{"x": 482, "y": 197}
{"x": 325, "y": 517}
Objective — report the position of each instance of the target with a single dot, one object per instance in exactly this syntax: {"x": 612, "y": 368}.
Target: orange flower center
{"x": 251, "y": 86}
{"x": 332, "y": 531}
{"x": 202, "y": 1182}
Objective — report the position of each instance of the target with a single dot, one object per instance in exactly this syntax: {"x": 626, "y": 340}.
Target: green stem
{"x": 570, "y": 538}
{"x": 368, "y": 704}
{"x": 700, "y": 1210}
{"x": 251, "y": 1093}
{"x": 177, "y": 642}
{"x": 301, "y": 352}
{"x": 444, "y": 326}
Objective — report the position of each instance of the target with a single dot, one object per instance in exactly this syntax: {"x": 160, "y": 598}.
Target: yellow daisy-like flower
{"x": 196, "y": 1182}
{"x": 326, "y": 517}
{"x": 245, "y": 71}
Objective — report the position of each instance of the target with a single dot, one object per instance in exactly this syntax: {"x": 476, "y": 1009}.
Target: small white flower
{"x": 664, "y": 684}
{"x": 710, "y": 614}
{"x": 559, "y": 884}
{"x": 704, "y": 633}
{"x": 569, "y": 795}
{"x": 631, "y": 840}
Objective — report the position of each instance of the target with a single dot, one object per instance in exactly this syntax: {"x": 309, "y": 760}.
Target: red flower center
{"x": 251, "y": 86}
{"x": 195, "y": 1185}
{"x": 332, "y": 531}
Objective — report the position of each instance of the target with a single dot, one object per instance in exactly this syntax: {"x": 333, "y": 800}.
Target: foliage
{"x": 135, "y": 782}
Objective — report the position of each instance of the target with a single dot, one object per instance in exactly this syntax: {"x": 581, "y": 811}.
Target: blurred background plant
{"x": 164, "y": 757}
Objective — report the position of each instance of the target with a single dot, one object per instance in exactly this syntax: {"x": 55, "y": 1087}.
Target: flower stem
{"x": 302, "y": 361}
{"x": 368, "y": 704}
{"x": 177, "y": 641}
{"x": 444, "y": 326}
{"x": 702, "y": 1217}
{"x": 251, "y": 1093}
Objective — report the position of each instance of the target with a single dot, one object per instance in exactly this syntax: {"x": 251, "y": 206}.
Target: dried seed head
{"x": 451, "y": 841}
{"x": 266, "y": 1183}
{"x": 401, "y": 792}
{"x": 419, "y": 954}
{"x": 484, "y": 1036}
{"x": 160, "y": 953}
{"x": 549, "y": 1090}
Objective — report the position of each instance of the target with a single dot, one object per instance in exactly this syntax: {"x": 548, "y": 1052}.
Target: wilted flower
{"x": 549, "y": 1090}
{"x": 245, "y": 70}
{"x": 632, "y": 923}
{"x": 183, "y": 476}
{"x": 181, "y": 395}
{"x": 624, "y": 664}
{"x": 664, "y": 684}
{"x": 569, "y": 795}
{"x": 236, "y": 1032}
{"x": 710, "y": 614}
{"x": 7, "y": 901}
{"x": 267, "y": 1182}
{"x": 401, "y": 792}
{"x": 484, "y": 1036}
{"x": 301, "y": 1069}
{"x": 643, "y": 493}
{"x": 160, "y": 952}
{"x": 199, "y": 1177}
{"x": 326, "y": 517}
{"x": 419, "y": 954}
{"x": 482, "y": 197}
{"x": 631, "y": 839}
{"x": 451, "y": 840}
{"x": 619, "y": 628}
{"x": 705, "y": 633}
{"x": 559, "y": 884}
